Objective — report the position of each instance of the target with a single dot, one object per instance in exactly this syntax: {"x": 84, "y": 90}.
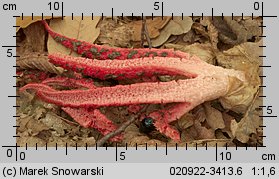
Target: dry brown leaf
{"x": 77, "y": 28}
{"x": 244, "y": 57}
{"x": 248, "y": 125}
{"x": 56, "y": 122}
{"x": 134, "y": 138}
{"x": 38, "y": 61}
{"x": 177, "y": 26}
{"x": 197, "y": 132}
{"x": 30, "y": 141}
{"x": 35, "y": 36}
{"x": 114, "y": 33}
{"x": 153, "y": 26}
{"x": 208, "y": 30}
{"x": 214, "y": 117}
{"x": 185, "y": 121}
{"x": 203, "y": 51}
{"x": 252, "y": 27}
{"x": 34, "y": 126}
{"x": 27, "y": 20}
{"x": 250, "y": 122}
{"x": 123, "y": 34}
{"x": 229, "y": 125}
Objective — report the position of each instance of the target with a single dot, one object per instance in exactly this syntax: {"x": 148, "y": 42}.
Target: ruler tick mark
{"x": 111, "y": 13}
{"x": 116, "y": 152}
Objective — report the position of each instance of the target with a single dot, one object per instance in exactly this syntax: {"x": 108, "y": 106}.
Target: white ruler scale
{"x": 138, "y": 162}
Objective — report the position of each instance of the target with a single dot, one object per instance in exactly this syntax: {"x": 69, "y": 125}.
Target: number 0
{"x": 256, "y": 6}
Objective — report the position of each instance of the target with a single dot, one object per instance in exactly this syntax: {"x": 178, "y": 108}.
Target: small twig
{"x": 147, "y": 37}
{"x": 144, "y": 33}
{"x": 122, "y": 128}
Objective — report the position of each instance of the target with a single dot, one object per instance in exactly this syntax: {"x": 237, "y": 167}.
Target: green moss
{"x": 131, "y": 54}
{"x": 103, "y": 50}
{"x": 113, "y": 55}
{"x": 164, "y": 54}
{"x": 94, "y": 52}
{"x": 59, "y": 39}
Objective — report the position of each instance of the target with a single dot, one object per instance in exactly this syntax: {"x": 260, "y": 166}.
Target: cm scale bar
{"x": 148, "y": 161}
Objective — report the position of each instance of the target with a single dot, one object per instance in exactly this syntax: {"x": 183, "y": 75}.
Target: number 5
{"x": 156, "y": 6}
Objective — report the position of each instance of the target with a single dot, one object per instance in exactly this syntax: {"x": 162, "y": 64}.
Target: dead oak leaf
{"x": 214, "y": 117}
{"x": 37, "y": 61}
{"x": 177, "y": 26}
{"x": 153, "y": 26}
{"x": 244, "y": 57}
{"x": 25, "y": 21}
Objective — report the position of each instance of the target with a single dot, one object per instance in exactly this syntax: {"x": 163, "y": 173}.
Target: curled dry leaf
{"x": 247, "y": 126}
{"x": 186, "y": 121}
{"x": 56, "y": 123}
{"x": 77, "y": 28}
{"x": 213, "y": 117}
{"x": 252, "y": 27}
{"x": 27, "y": 20}
{"x": 242, "y": 57}
{"x": 230, "y": 31}
{"x": 37, "y": 61}
{"x": 235, "y": 31}
{"x": 153, "y": 26}
{"x": 35, "y": 37}
{"x": 31, "y": 39}
{"x": 197, "y": 132}
{"x": 177, "y": 26}
{"x": 208, "y": 30}
{"x": 229, "y": 125}
{"x": 250, "y": 122}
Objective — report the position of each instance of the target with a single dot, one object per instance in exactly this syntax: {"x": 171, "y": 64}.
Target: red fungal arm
{"x": 141, "y": 67}
{"x": 93, "y": 118}
{"x": 94, "y": 51}
{"x": 166, "y": 129}
{"x": 194, "y": 91}
{"x": 123, "y": 69}
{"x": 36, "y": 86}
{"x": 70, "y": 82}
{"x": 165, "y": 116}
{"x": 171, "y": 114}
{"x": 85, "y": 117}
